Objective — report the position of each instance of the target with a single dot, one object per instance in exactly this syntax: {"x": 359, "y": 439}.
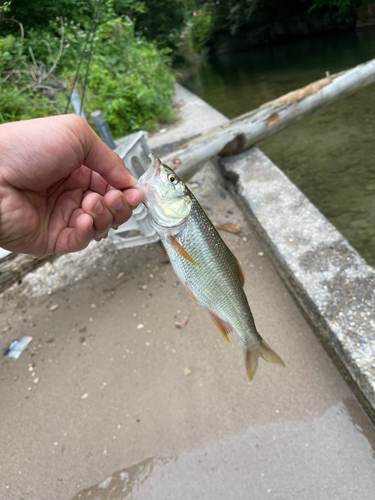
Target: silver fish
{"x": 202, "y": 261}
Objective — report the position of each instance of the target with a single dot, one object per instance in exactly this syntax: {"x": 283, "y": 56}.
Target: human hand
{"x": 60, "y": 186}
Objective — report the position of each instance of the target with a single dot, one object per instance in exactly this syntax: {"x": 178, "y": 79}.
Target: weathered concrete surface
{"x": 112, "y": 399}
{"x": 329, "y": 279}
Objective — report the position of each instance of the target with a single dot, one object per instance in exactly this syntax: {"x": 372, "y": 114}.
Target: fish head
{"x": 166, "y": 197}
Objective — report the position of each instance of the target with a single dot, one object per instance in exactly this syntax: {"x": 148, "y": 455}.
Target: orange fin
{"x": 240, "y": 272}
{"x": 251, "y": 359}
{"x": 181, "y": 251}
{"x": 223, "y": 326}
{"x": 191, "y": 294}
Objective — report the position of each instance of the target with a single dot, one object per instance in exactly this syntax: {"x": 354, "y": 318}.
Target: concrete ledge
{"x": 329, "y": 279}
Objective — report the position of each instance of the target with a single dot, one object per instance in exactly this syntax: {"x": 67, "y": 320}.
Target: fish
{"x": 204, "y": 264}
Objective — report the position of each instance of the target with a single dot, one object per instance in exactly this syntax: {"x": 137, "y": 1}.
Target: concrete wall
{"x": 331, "y": 282}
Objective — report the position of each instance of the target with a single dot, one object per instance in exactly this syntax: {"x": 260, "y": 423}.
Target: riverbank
{"x": 111, "y": 399}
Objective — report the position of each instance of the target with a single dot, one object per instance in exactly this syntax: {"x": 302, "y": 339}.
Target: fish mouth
{"x": 147, "y": 181}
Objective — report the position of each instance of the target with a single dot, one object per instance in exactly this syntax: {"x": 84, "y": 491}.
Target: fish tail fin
{"x": 251, "y": 359}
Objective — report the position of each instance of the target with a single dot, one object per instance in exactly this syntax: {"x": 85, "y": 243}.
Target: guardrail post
{"x": 103, "y": 129}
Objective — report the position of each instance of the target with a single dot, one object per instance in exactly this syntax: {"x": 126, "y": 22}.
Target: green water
{"x": 329, "y": 155}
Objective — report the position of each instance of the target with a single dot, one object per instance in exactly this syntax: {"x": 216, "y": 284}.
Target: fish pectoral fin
{"x": 240, "y": 272}
{"x": 223, "y": 326}
{"x": 181, "y": 251}
{"x": 251, "y": 359}
{"x": 191, "y": 294}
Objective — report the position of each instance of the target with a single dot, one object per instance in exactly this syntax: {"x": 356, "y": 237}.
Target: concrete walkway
{"x": 111, "y": 401}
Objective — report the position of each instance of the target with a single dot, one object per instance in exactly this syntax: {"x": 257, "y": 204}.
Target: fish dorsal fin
{"x": 181, "y": 251}
{"x": 223, "y": 326}
{"x": 240, "y": 272}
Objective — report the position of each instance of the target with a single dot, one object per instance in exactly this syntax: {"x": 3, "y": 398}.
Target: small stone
{"x": 93, "y": 306}
{"x": 187, "y": 372}
{"x": 84, "y": 396}
{"x": 54, "y": 307}
{"x": 140, "y": 326}
{"x": 31, "y": 368}
{"x": 36, "y": 380}
{"x": 261, "y": 254}
{"x": 29, "y": 388}
{"x": 15, "y": 379}
{"x": 151, "y": 275}
{"x": 120, "y": 275}
{"x": 33, "y": 374}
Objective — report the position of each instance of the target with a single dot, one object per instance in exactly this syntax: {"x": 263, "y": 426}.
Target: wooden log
{"x": 246, "y": 130}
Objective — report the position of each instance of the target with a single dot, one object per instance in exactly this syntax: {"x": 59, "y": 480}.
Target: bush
{"x": 129, "y": 81}
{"x": 201, "y": 30}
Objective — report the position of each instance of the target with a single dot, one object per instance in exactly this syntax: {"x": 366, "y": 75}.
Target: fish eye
{"x": 172, "y": 179}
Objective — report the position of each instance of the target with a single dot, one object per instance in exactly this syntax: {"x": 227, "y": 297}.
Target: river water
{"x": 329, "y": 155}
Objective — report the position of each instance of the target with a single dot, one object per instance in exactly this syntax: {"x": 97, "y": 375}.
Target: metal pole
{"x": 76, "y": 101}
{"x": 103, "y": 129}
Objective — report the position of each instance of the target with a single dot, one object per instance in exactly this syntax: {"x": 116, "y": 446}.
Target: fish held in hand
{"x": 202, "y": 261}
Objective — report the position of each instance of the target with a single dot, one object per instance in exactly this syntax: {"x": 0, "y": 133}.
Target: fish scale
{"x": 215, "y": 275}
{"x": 201, "y": 260}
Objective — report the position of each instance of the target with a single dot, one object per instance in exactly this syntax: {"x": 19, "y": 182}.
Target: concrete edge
{"x": 330, "y": 281}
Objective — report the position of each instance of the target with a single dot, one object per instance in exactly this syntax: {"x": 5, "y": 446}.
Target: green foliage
{"x": 160, "y": 21}
{"x": 334, "y": 10}
{"x": 201, "y": 28}
{"x": 15, "y": 106}
{"x": 239, "y": 13}
{"x": 129, "y": 80}
{"x": 5, "y": 7}
{"x": 220, "y": 19}
{"x": 259, "y": 20}
{"x": 37, "y": 14}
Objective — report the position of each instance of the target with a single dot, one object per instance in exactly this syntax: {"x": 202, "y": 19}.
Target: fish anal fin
{"x": 251, "y": 359}
{"x": 191, "y": 294}
{"x": 223, "y": 326}
{"x": 181, "y": 251}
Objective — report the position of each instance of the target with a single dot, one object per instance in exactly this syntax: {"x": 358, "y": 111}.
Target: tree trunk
{"x": 246, "y": 130}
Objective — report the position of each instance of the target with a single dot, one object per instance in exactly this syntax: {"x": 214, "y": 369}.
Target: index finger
{"x": 98, "y": 156}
